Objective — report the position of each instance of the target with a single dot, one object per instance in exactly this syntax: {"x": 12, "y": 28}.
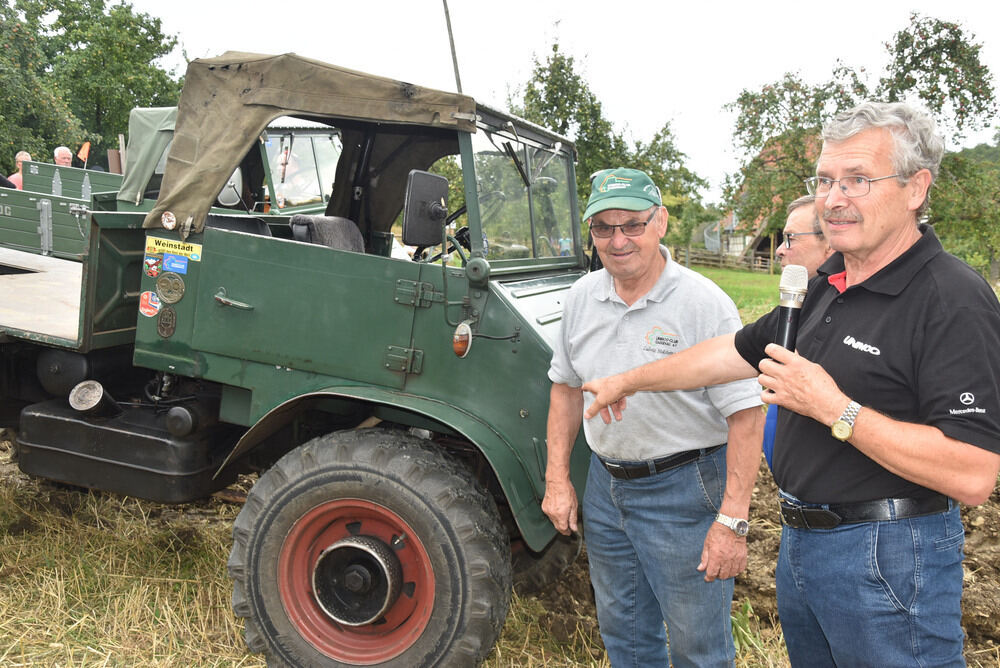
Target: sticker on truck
{"x": 149, "y": 304}
{"x": 157, "y": 246}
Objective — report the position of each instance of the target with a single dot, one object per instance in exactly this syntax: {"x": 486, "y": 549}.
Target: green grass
{"x": 754, "y": 293}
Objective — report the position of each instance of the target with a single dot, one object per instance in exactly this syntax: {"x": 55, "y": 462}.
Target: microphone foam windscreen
{"x": 794, "y": 278}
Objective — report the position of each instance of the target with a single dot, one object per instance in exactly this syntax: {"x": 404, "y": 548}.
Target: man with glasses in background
{"x": 891, "y": 407}
{"x": 665, "y": 527}
{"x": 804, "y": 242}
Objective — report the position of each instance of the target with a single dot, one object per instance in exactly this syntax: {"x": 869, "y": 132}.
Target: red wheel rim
{"x": 401, "y": 625}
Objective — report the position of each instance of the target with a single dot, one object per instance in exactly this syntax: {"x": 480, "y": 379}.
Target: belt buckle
{"x": 616, "y": 470}
{"x": 792, "y": 516}
{"x": 801, "y": 517}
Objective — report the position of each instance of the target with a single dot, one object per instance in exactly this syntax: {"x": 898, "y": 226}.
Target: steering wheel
{"x": 456, "y": 242}
{"x": 461, "y": 236}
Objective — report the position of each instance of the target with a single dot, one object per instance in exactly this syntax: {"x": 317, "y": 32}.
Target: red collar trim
{"x": 838, "y": 281}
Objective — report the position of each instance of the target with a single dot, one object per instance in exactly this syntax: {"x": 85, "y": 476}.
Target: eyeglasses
{"x": 850, "y": 186}
{"x": 632, "y": 229}
{"x": 791, "y": 236}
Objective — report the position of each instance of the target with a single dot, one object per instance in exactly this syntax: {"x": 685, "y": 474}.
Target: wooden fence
{"x": 690, "y": 256}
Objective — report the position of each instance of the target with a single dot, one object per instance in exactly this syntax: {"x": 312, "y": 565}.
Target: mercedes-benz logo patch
{"x": 967, "y": 398}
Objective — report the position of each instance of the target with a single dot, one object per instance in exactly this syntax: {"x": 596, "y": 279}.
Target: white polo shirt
{"x": 602, "y": 336}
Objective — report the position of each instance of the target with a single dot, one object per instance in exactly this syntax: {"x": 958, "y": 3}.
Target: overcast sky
{"x": 648, "y": 61}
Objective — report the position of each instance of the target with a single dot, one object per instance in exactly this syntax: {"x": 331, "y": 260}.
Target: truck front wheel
{"x": 370, "y": 548}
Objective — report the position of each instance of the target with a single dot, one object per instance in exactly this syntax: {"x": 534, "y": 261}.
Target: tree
{"x": 34, "y": 116}
{"x": 778, "y": 126}
{"x": 105, "y": 63}
{"x": 558, "y": 97}
{"x": 777, "y": 130}
{"x": 965, "y": 207}
{"x": 938, "y": 63}
{"x": 74, "y": 69}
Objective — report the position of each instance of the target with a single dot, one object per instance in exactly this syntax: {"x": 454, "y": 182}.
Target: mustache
{"x": 850, "y": 217}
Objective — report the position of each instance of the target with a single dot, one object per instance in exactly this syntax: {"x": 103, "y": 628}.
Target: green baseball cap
{"x": 621, "y": 188}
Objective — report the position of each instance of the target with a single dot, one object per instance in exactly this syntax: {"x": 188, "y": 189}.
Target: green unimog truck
{"x": 394, "y": 409}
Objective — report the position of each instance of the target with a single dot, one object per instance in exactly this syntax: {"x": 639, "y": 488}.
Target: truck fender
{"x": 520, "y": 490}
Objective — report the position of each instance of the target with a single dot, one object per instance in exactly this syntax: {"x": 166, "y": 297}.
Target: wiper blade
{"x": 509, "y": 149}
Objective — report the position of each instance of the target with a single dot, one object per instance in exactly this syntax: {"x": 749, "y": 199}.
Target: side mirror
{"x": 232, "y": 193}
{"x": 425, "y": 208}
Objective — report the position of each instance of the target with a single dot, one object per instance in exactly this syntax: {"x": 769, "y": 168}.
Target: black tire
{"x": 533, "y": 571}
{"x": 382, "y": 483}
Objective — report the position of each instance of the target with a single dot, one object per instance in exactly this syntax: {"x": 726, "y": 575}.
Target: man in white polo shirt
{"x": 665, "y": 527}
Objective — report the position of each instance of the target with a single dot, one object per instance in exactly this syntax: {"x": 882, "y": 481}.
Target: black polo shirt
{"x": 919, "y": 342}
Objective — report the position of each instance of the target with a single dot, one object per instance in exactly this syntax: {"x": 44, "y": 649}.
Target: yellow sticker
{"x": 155, "y": 246}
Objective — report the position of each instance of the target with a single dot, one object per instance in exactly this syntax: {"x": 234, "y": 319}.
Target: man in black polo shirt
{"x": 892, "y": 407}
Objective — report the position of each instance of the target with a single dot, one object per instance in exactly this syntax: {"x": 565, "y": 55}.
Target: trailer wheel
{"x": 370, "y": 548}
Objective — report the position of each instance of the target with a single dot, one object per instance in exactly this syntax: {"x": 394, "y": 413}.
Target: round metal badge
{"x": 170, "y": 287}
{"x": 166, "y": 322}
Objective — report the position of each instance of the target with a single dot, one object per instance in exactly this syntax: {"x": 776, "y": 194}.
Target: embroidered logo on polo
{"x": 966, "y": 399}
{"x": 660, "y": 341}
{"x": 858, "y": 345}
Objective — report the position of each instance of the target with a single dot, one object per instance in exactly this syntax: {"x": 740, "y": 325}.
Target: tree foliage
{"x": 34, "y": 116}
{"x": 105, "y": 63}
{"x": 940, "y": 65}
{"x": 73, "y": 70}
{"x": 965, "y": 207}
{"x": 558, "y": 97}
{"x": 777, "y": 128}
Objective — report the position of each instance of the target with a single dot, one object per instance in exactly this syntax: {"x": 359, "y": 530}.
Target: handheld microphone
{"x": 791, "y": 292}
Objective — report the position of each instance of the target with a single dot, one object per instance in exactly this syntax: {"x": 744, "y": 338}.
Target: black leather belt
{"x": 633, "y": 471}
{"x": 801, "y": 517}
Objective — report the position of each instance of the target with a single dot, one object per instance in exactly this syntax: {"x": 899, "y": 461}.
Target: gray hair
{"x": 916, "y": 142}
{"x": 22, "y": 156}
{"x": 807, "y": 200}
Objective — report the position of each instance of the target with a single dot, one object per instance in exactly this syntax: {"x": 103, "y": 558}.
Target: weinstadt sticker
{"x": 149, "y": 304}
{"x": 157, "y": 246}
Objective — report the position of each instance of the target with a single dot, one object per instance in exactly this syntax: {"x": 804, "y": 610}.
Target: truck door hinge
{"x": 416, "y": 294}
{"x": 407, "y": 360}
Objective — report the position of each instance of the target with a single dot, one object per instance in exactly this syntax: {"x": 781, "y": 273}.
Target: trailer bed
{"x": 39, "y": 295}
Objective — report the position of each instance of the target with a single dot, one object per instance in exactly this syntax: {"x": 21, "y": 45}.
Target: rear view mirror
{"x": 425, "y": 208}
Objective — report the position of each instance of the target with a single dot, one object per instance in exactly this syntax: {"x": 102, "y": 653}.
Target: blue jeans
{"x": 644, "y": 540}
{"x": 873, "y": 594}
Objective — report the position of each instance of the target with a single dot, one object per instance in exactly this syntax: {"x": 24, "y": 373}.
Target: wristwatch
{"x": 844, "y": 426}
{"x": 739, "y": 527}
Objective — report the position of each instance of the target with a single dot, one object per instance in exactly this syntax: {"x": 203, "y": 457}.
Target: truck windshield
{"x": 302, "y": 166}
{"x": 524, "y": 197}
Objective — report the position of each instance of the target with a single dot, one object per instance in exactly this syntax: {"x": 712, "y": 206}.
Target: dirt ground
{"x": 571, "y": 604}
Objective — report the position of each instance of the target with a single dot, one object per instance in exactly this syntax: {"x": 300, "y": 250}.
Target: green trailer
{"x": 394, "y": 409}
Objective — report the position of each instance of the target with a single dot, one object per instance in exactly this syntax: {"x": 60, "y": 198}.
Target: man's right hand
{"x": 560, "y": 504}
{"x": 609, "y": 398}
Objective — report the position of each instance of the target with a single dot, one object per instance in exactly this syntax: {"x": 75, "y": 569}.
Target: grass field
{"x": 92, "y": 579}
{"x": 754, "y": 293}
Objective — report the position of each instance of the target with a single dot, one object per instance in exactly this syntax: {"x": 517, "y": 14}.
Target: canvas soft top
{"x": 149, "y": 132}
{"x": 228, "y": 101}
